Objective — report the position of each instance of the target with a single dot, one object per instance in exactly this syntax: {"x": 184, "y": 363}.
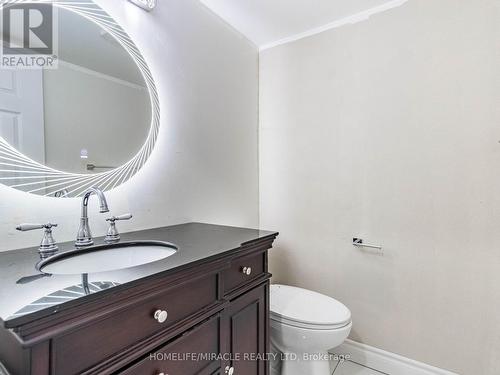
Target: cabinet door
{"x": 245, "y": 332}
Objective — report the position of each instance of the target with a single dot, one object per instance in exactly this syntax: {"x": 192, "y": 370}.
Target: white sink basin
{"x": 106, "y": 257}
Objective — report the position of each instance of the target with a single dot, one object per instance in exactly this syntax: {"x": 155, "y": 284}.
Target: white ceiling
{"x": 270, "y": 22}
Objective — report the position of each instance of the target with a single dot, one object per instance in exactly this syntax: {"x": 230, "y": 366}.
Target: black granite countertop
{"x": 22, "y": 303}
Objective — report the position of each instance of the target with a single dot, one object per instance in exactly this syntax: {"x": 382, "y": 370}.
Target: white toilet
{"x": 304, "y": 326}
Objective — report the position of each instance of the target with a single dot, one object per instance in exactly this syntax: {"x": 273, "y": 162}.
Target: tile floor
{"x": 352, "y": 368}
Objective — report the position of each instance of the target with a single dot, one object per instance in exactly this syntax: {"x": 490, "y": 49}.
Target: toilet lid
{"x": 305, "y": 308}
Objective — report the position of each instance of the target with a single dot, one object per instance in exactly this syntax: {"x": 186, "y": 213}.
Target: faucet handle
{"x": 121, "y": 217}
{"x": 27, "y": 227}
{"x": 48, "y": 245}
{"x": 113, "y": 236}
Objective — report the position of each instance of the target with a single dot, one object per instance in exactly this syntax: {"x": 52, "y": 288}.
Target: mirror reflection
{"x": 90, "y": 114}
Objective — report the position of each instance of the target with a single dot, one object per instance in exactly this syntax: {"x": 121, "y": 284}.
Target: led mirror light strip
{"x": 20, "y": 172}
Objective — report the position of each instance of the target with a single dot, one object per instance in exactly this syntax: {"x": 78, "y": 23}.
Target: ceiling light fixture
{"x": 145, "y": 4}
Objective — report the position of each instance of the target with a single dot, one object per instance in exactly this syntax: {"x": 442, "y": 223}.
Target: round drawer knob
{"x": 161, "y": 316}
{"x": 229, "y": 370}
{"x": 247, "y": 271}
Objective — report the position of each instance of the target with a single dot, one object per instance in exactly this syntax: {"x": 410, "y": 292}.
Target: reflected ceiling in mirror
{"x": 91, "y": 120}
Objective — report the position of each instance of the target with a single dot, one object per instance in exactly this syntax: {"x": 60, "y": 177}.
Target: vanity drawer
{"x": 194, "y": 353}
{"x": 83, "y": 348}
{"x": 243, "y": 270}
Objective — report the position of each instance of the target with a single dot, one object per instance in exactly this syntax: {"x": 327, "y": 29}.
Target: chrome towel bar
{"x": 91, "y": 167}
{"x": 359, "y": 243}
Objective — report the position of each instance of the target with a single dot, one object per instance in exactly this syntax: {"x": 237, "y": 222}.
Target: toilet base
{"x": 311, "y": 364}
{"x": 275, "y": 361}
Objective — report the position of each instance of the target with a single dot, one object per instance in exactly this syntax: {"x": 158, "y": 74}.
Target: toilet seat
{"x": 306, "y": 309}
{"x": 309, "y": 326}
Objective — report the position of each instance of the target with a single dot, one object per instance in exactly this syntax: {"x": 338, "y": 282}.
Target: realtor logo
{"x": 29, "y": 37}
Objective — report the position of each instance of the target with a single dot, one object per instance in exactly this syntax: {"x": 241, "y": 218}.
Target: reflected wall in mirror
{"x": 90, "y": 121}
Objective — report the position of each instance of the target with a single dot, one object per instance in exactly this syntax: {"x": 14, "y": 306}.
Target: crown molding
{"x": 355, "y": 18}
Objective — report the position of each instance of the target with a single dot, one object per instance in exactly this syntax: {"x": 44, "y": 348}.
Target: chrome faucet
{"x": 84, "y": 236}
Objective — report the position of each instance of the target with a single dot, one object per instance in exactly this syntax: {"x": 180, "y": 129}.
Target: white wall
{"x": 389, "y": 130}
{"x": 108, "y": 117}
{"x": 205, "y": 164}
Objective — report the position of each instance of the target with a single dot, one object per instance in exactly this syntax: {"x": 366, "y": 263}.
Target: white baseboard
{"x": 387, "y": 362}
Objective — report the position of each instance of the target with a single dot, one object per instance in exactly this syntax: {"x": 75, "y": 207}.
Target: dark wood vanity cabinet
{"x": 234, "y": 338}
{"x": 245, "y": 332}
{"x": 216, "y": 324}
{"x": 180, "y": 356}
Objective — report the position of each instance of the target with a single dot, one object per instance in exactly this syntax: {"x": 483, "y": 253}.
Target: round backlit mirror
{"x": 78, "y": 106}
